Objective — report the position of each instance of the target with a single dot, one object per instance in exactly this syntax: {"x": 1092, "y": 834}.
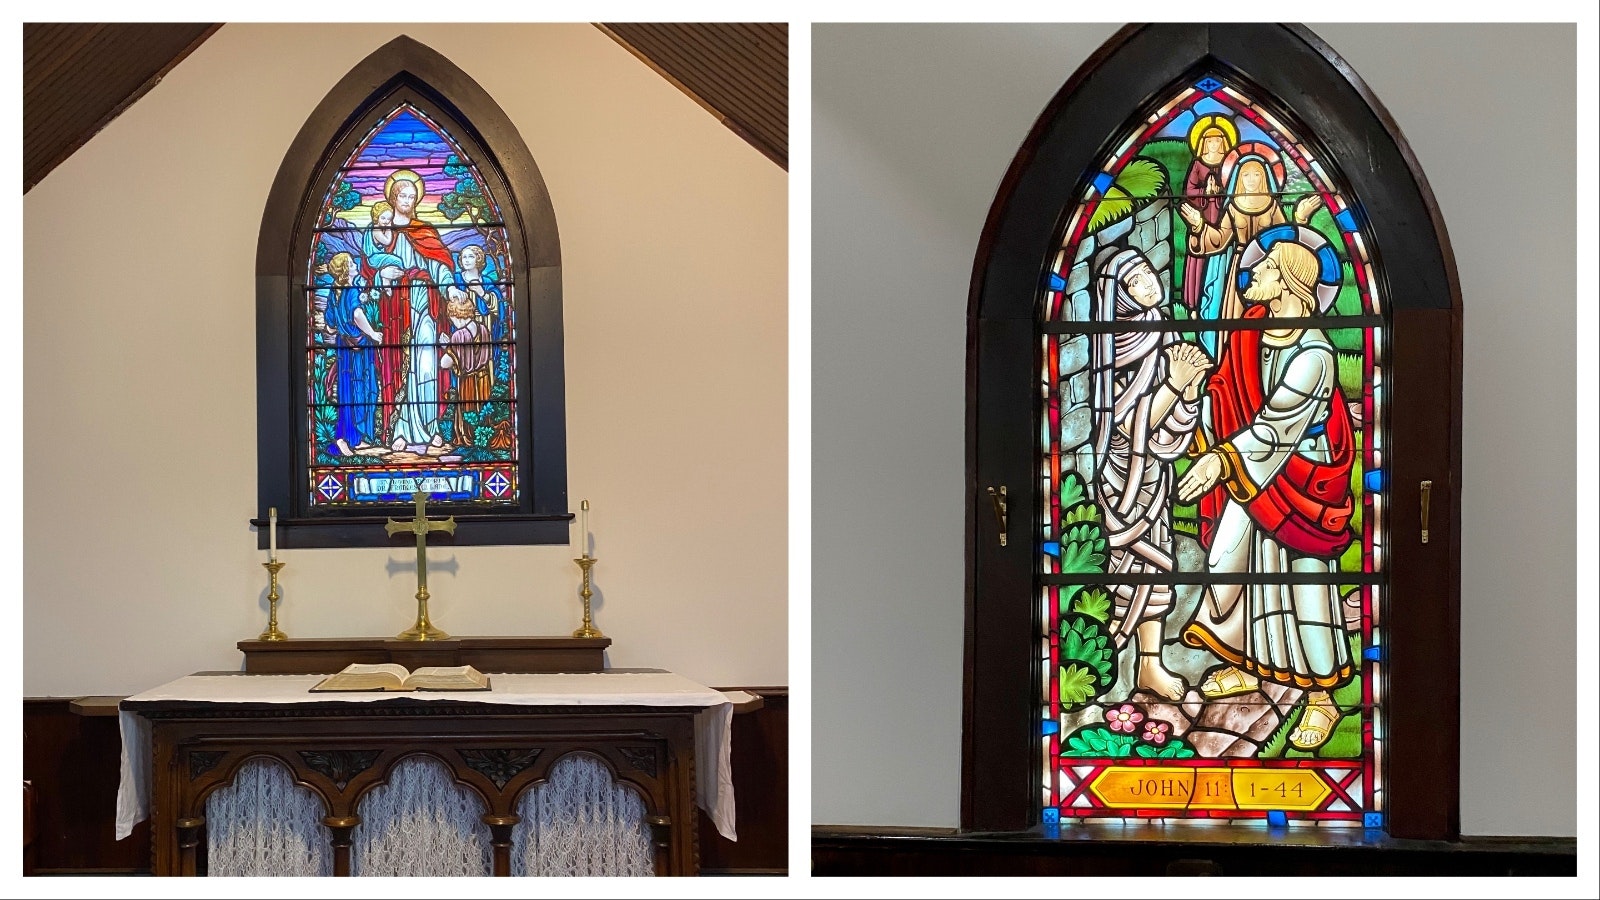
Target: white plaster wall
{"x": 140, "y": 425}
{"x": 913, "y": 127}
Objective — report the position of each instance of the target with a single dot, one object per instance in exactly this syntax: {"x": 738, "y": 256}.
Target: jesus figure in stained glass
{"x": 426, "y": 278}
{"x": 1275, "y": 497}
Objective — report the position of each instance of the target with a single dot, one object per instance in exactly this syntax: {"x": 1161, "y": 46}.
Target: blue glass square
{"x": 1346, "y": 220}
{"x": 1372, "y": 820}
{"x": 1208, "y": 84}
{"x": 1052, "y": 816}
{"x": 1277, "y": 818}
{"x": 1103, "y": 181}
{"x": 1054, "y": 282}
{"x": 1049, "y": 726}
{"x": 1374, "y": 654}
{"x": 1373, "y": 481}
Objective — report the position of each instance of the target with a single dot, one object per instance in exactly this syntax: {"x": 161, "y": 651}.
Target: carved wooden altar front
{"x": 342, "y": 750}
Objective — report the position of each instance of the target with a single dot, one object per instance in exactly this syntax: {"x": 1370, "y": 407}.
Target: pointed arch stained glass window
{"x": 1212, "y": 417}
{"x": 410, "y": 340}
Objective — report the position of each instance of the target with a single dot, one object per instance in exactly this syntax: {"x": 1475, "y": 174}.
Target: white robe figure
{"x": 1137, "y": 440}
{"x": 418, "y": 419}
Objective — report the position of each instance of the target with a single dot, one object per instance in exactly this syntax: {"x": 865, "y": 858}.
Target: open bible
{"x": 395, "y": 677}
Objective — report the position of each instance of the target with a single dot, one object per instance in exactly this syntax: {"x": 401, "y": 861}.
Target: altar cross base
{"x": 423, "y": 630}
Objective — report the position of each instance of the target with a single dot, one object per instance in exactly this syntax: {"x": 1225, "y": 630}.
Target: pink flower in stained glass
{"x": 1124, "y": 718}
{"x": 1155, "y": 732}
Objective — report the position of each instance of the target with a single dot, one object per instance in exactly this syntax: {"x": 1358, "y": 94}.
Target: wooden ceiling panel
{"x": 737, "y": 71}
{"x": 78, "y": 76}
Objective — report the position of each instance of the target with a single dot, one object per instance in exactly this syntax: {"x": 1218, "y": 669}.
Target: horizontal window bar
{"x": 361, "y": 229}
{"x": 358, "y": 464}
{"x": 1182, "y": 578}
{"x": 1325, "y": 323}
{"x": 413, "y": 166}
{"x": 1219, "y": 195}
{"x": 319, "y": 288}
{"x": 334, "y": 347}
{"x": 334, "y": 404}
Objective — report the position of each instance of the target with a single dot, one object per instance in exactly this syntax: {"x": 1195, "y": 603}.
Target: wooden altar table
{"x": 665, "y": 735}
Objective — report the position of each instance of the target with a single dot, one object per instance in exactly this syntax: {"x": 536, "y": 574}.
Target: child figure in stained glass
{"x": 1146, "y": 389}
{"x": 1254, "y": 175}
{"x": 468, "y": 357}
{"x": 1275, "y": 497}
{"x": 350, "y": 315}
{"x": 477, "y": 276}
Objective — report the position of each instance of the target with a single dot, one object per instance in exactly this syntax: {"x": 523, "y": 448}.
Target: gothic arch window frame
{"x": 1001, "y": 787}
{"x": 405, "y": 70}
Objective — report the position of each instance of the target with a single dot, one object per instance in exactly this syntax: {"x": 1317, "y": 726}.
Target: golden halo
{"x": 1221, "y": 123}
{"x": 404, "y": 175}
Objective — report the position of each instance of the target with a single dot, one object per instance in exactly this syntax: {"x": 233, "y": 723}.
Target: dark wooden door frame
{"x": 406, "y": 70}
{"x": 1413, "y": 262}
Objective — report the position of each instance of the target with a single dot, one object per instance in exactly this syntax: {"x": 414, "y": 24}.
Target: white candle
{"x": 583, "y": 532}
{"x": 272, "y": 538}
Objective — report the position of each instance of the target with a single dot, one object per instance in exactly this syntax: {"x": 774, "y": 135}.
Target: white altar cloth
{"x": 713, "y": 724}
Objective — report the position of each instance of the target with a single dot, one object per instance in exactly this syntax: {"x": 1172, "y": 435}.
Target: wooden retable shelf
{"x": 307, "y": 656}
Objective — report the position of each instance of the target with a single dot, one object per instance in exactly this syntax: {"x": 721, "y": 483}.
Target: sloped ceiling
{"x": 77, "y": 77}
{"x": 738, "y": 71}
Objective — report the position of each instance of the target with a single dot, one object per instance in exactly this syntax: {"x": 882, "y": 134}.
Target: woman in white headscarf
{"x": 1146, "y": 401}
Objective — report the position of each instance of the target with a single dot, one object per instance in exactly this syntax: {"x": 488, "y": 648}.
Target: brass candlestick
{"x": 586, "y": 563}
{"x": 272, "y": 633}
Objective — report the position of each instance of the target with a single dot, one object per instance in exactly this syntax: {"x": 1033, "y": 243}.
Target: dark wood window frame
{"x": 406, "y": 71}
{"x": 1411, "y": 253}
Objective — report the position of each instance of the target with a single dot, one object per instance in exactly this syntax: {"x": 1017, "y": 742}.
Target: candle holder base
{"x": 272, "y": 633}
{"x": 423, "y": 630}
{"x": 586, "y": 563}
{"x": 422, "y": 633}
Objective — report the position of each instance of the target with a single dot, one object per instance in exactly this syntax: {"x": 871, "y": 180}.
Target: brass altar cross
{"x": 423, "y": 630}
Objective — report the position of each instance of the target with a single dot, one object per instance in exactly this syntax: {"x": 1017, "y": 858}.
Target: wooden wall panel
{"x": 760, "y": 791}
{"x": 74, "y": 763}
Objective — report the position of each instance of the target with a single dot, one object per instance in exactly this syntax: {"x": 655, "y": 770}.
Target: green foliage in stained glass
{"x": 346, "y": 197}
{"x": 1139, "y": 180}
{"x": 1175, "y": 749}
{"x": 1071, "y": 490}
{"x": 1095, "y": 604}
{"x": 1077, "y": 685}
{"x": 1086, "y": 512}
{"x": 1085, "y": 641}
{"x": 1084, "y": 550}
{"x": 1099, "y": 740}
{"x": 467, "y": 196}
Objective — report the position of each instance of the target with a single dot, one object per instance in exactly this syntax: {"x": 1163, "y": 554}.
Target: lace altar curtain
{"x": 580, "y": 822}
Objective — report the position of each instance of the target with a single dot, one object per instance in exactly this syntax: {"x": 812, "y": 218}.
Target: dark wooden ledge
{"x": 1178, "y": 850}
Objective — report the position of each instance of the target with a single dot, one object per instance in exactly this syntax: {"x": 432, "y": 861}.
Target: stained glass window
{"x": 1211, "y": 537}
{"x": 410, "y": 340}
